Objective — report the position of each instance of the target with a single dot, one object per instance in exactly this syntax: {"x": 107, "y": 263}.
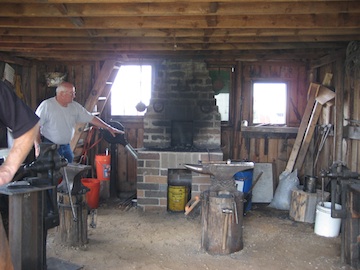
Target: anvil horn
{"x": 199, "y": 168}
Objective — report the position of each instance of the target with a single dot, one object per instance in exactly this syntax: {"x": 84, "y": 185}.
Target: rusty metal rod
{"x": 70, "y": 197}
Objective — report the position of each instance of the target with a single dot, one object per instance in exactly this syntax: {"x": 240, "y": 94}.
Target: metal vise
{"x": 48, "y": 166}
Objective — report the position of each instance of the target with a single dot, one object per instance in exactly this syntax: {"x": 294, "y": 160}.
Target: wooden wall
{"x": 351, "y": 150}
{"x": 258, "y": 147}
{"x": 270, "y": 149}
{"x": 82, "y": 75}
{"x": 345, "y": 111}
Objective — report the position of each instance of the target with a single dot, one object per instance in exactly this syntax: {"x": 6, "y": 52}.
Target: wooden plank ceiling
{"x": 125, "y": 29}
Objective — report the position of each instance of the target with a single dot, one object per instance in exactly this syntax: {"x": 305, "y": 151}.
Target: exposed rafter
{"x": 37, "y": 29}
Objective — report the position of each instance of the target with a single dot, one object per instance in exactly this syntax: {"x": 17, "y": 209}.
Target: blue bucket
{"x": 243, "y": 181}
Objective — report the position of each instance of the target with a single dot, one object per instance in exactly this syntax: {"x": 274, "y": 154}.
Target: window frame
{"x": 232, "y": 74}
{"x": 266, "y": 80}
{"x": 151, "y": 89}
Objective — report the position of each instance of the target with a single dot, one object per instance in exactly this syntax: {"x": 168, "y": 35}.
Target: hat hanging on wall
{"x": 53, "y": 79}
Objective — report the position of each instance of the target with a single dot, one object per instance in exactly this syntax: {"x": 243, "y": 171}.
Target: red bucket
{"x": 102, "y": 167}
{"x": 92, "y": 196}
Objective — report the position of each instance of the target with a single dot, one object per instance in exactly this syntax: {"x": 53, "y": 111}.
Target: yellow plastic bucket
{"x": 177, "y": 198}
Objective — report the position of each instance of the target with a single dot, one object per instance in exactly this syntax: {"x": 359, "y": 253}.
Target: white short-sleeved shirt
{"x": 57, "y": 123}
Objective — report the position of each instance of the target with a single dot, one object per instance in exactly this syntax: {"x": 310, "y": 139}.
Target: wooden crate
{"x": 303, "y": 204}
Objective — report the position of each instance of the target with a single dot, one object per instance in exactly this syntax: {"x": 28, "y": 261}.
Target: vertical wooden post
{"x": 237, "y": 103}
{"x": 339, "y": 111}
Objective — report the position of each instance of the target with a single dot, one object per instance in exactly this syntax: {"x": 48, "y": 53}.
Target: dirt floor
{"x": 132, "y": 239}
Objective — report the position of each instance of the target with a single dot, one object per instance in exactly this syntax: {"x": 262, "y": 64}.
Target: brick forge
{"x": 152, "y": 178}
{"x": 182, "y": 124}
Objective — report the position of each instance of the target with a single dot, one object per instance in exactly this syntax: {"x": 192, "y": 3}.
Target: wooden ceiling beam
{"x": 235, "y": 55}
{"x": 154, "y": 1}
{"x": 62, "y": 8}
{"x": 124, "y": 28}
{"x": 14, "y": 60}
{"x": 32, "y": 47}
{"x": 176, "y": 9}
{"x": 179, "y": 40}
{"x": 192, "y": 22}
{"x": 162, "y": 32}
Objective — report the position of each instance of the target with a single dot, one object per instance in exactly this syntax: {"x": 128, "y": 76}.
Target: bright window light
{"x": 131, "y": 86}
{"x": 222, "y": 101}
{"x": 269, "y": 105}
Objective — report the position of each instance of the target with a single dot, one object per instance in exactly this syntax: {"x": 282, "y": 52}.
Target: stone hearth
{"x": 152, "y": 178}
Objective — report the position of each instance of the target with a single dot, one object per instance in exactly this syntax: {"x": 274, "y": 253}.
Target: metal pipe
{"x": 131, "y": 151}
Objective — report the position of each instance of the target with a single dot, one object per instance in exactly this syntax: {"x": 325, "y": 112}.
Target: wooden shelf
{"x": 268, "y": 131}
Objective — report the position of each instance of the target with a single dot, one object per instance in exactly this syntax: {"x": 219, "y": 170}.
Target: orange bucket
{"x": 102, "y": 163}
{"x": 92, "y": 196}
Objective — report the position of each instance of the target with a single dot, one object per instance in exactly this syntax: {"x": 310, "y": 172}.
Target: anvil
{"x": 74, "y": 173}
{"x": 221, "y": 170}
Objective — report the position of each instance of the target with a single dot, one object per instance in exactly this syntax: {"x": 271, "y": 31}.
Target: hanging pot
{"x": 140, "y": 107}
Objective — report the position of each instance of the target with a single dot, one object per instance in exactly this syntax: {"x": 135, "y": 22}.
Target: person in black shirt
{"x": 23, "y": 123}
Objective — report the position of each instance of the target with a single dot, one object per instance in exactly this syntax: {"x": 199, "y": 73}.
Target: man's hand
{"x": 115, "y": 131}
{"x": 101, "y": 124}
{"x": 18, "y": 152}
{"x": 6, "y": 175}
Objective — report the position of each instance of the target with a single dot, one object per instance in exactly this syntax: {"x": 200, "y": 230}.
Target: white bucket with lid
{"x": 325, "y": 225}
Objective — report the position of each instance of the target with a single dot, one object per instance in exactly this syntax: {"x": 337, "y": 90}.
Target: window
{"x": 131, "y": 86}
{"x": 269, "y": 103}
{"x": 222, "y": 101}
{"x": 221, "y": 79}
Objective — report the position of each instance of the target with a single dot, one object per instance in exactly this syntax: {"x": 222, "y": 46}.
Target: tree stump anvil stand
{"x": 222, "y": 207}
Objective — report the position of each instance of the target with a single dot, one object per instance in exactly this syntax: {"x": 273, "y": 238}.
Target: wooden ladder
{"x": 101, "y": 89}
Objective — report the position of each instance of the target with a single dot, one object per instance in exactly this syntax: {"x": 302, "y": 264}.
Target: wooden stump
{"x": 222, "y": 221}
{"x": 303, "y": 204}
{"x": 72, "y": 232}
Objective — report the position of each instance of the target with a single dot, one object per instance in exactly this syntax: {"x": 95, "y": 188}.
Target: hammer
{"x": 227, "y": 212}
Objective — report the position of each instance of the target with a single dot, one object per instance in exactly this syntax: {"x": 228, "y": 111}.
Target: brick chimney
{"x": 182, "y": 125}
